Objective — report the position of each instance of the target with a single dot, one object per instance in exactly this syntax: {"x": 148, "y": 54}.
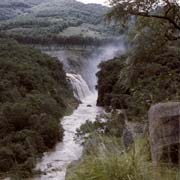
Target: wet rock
{"x": 89, "y": 105}
{"x": 164, "y": 132}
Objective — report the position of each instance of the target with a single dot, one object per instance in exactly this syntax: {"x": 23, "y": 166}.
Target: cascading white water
{"x": 79, "y": 85}
{"x": 55, "y": 163}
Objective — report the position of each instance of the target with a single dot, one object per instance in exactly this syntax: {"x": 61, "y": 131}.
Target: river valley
{"x": 83, "y": 80}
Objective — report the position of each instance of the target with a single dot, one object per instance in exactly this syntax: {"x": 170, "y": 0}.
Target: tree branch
{"x": 158, "y": 17}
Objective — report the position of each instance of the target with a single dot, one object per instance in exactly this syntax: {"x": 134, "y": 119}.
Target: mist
{"x": 103, "y": 53}
{"x": 85, "y": 61}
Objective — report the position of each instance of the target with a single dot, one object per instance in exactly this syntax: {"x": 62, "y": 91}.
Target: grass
{"x": 110, "y": 162}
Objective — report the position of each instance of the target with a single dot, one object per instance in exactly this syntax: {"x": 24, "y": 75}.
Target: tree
{"x": 166, "y": 10}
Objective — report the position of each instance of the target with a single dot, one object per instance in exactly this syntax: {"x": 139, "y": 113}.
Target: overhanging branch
{"x": 158, "y": 17}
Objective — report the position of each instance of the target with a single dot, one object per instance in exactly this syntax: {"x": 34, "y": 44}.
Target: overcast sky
{"x": 104, "y": 2}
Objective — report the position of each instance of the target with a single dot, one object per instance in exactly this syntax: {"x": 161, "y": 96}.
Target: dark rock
{"x": 89, "y": 105}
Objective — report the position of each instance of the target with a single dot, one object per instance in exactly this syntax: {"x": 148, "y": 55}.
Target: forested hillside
{"x": 56, "y": 18}
{"x": 34, "y": 96}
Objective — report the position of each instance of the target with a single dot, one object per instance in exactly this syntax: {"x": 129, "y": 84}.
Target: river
{"x": 54, "y": 163}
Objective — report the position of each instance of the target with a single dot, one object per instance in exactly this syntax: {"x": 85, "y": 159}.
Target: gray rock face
{"x": 164, "y": 131}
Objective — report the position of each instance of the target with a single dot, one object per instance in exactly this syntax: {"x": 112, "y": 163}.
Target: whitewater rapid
{"x": 54, "y": 164}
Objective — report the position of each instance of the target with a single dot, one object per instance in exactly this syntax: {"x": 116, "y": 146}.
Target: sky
{"x": 104, "y": 2}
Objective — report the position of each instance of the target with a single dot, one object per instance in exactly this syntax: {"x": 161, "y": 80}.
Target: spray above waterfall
{"x": 81, "y": 64}
{"x": 104, "y": 53}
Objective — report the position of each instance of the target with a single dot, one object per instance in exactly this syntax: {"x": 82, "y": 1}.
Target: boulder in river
{"x": 164, "y": 132}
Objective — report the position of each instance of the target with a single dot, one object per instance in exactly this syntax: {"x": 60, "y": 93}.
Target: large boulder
{"x": 164, "y": 132}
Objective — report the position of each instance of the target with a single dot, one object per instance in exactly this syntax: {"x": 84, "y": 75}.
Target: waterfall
{"x": 79, "y": 85}
{"x": 54, "y": 164}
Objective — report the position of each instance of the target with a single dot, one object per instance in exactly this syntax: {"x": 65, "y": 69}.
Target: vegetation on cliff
{"x": 150, "y": 81}
{"x": 34, "y": 96}
{"x": 148, "y": 73}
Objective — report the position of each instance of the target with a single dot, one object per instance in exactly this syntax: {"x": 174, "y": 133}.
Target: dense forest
{"x": 34, "y": 96}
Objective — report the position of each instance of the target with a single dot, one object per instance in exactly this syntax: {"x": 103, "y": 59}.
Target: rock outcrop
{"x": 164, "y": 131}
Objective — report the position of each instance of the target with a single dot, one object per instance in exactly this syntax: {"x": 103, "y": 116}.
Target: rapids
{"x": 54, "y": 163}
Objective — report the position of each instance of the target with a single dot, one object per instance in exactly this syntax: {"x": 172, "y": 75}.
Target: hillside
{"x": 54, "y": 18}
{"x": 34, "y": 96}
{"x": 12, "y": 8}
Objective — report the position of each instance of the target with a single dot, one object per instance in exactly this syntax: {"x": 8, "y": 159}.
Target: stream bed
{"x": 54, "y": 164}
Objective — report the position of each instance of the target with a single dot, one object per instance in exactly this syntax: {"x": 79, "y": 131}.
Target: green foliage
{"x": 165, "y": 12}
{"x": 105, "y": 125}
{"x": 110, "y": 161}
{"x": 107, "y": 78}
{"x": 141, "y": 82}
{"x": 150, "y": 67}
{"x": 54, "y": 19}
{"x": 34, "y": 96}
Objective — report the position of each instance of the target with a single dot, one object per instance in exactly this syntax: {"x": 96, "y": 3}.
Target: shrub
{"x": 114, "y": 163}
